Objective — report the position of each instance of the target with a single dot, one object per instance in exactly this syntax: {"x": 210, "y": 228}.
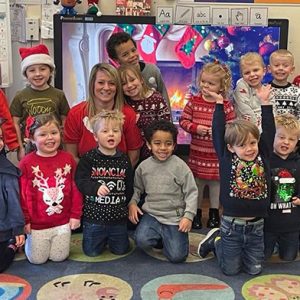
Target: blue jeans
{"x": 97, "y": 236}
{"x": 175, "y": 243}
{"x": 288, "y": 243}
{"x": 241, "y": 247}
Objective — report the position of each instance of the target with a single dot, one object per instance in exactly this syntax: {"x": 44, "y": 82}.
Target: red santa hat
{"x": 35, "y": 55}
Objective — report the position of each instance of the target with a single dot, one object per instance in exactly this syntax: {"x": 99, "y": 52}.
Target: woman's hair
{"x": 33, "y": 123}
{"x": 222, "y": 71}
{"x": 114, "y": 75}
{"x": 289, "y": 122}
{"x": 126, "y": 72}
{"x": 237, "y": 132}
{"x": 107, "y": 116}
{"x": 250, "y": 58}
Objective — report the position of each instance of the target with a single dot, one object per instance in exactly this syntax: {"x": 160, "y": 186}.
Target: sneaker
{"x": 208, "y": 243}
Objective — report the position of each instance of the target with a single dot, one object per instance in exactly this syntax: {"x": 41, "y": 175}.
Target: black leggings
{"x": 6, "y": 256}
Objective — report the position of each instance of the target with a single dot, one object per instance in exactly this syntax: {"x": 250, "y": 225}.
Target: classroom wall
{"x": 291, "y": 12}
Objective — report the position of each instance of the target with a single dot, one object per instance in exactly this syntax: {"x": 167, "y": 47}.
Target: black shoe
{"x": 197, "y": 220}
{"x": 208, "y": 243}
{"x": 214, "y": 218}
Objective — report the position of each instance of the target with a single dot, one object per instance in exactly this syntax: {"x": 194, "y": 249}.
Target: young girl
{"x": 148, "y": 104}
{"x": 39, "y": 97}
{"x": 197, "y": 120}
{"x": 50, "y": 201}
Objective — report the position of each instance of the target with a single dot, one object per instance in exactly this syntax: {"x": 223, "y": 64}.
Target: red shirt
{"x": 49, "y": 196}
{"x": 77, "y": 130}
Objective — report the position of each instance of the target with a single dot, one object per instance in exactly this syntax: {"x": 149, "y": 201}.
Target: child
{"x": 148, "y": 104}
{"x": 246, "y": 101}
{"x": 197, "y": 120}
{"x": 50, "y": 200}
{"x": 9, "y": 131}
{"x": 171, "y": 195}
{"x": 286, "y": 95}
{"x": 11, "y": 217}
{"x": 39, "y": 97}
{"x": 105, "y": 177}
{"x": 244, "y": 158}
{"x": 282, "y": 226}
{"x": 121, "y": 47}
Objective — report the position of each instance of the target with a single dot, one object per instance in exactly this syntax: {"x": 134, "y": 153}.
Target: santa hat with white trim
{"x": 35, "y": 55}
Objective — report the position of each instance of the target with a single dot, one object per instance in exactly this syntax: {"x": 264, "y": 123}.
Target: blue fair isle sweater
{"x": 244, "y": 186}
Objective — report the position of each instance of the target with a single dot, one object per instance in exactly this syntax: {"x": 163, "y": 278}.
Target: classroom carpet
{"x": 146, "y": 276}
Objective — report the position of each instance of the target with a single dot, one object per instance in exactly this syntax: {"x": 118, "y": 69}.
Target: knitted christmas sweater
{"x": 96, "y": 169}
{"x": 203, "y": 159}
{"x": 49, "y": 196}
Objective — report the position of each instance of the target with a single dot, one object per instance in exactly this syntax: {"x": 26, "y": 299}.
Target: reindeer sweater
{"x": 49, "y": 196}
{"x": 95, "y": 169}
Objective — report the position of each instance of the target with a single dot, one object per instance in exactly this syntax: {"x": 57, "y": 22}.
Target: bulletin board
{"x": 5, "y": 45}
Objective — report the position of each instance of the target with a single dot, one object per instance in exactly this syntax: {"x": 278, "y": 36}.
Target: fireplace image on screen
{"x": 178, "y": 50}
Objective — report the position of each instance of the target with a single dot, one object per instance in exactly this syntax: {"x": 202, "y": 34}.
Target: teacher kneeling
{"x": 105, "y": 93}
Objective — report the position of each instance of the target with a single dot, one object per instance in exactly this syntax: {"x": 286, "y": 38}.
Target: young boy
{"x": 282, "y": 226}
{"x": 11, "y": 216}
{"x": 244, "y": 188}
{"x": 246, "y": 101}
{"x": 105, "y": 177}
{"x": 286, "y": 96}
{"x": 121, "y": 47}
{"x": 171, "y": 195}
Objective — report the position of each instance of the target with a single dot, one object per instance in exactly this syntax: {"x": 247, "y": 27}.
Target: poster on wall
{"x": 133, "y": 7}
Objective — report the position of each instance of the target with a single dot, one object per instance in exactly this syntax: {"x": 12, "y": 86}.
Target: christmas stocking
{"x": 186, "y": 47}
{"x": 148, "y": 44}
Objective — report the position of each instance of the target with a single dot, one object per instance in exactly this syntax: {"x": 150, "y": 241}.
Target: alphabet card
{"x": 164, "y": 15}
{"x": 201, "y": 15}
{"x": 184, "y": 14}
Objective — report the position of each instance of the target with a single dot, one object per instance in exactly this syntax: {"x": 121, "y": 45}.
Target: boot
{"x": 197, "y": 220}
{"x": 214, "y": 218}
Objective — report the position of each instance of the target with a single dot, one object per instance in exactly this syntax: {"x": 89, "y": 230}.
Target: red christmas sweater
{"x": 9, "y": 131}
{"x": 49, "y": 196}
{"x": 203, "y": 159}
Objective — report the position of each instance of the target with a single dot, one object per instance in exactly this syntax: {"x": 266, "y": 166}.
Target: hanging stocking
{"x": 148, "y": 44}
{"x": 186, "y": 47}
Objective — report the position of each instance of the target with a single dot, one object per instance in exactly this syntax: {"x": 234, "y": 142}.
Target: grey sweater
{"x": 171, "y": 191}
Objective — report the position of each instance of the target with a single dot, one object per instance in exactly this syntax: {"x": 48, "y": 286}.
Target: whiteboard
{"x": 6, "y": 77}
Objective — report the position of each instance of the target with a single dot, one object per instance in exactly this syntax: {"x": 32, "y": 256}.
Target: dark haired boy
{"x": 121, "y": 47}
{"x": 171, "y": 195}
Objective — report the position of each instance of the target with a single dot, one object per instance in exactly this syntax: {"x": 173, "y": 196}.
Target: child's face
{"x": 38, "y": 76}
{"x": 209, "y": 83}
{"x": 105, "y": 89}
{"x": 281, "y": 68}
{"x": 162, "y": 145}
{"x": 1, "y": 140}
{"x": 285, "y": 141}
{"x": 47, "y": 139}
{"x": 247, "y": 151}
{"x": 253, "y": 73}
{"x": 108, "y": 136}
{"x": 133, "y": 86}
{"x": 127, "y": 54}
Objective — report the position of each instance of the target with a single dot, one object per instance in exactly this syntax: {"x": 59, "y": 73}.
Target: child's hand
{"x": 296, "y": 201}
{"x": 218, "y": 97}
{"x": 134, "y": 212}
{"x": 263, "y": 94}
{"x": 185, "y": 225}
{"x": 74, "y": 223}
{"x": 20, "y": 240}
{"x": 203, "y": 130}
{"x": 27, "y": 228}
{"x": 103, "y": 190}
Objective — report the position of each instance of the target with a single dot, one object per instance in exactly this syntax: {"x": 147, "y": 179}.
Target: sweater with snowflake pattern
{"x": 95, "y": 169}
